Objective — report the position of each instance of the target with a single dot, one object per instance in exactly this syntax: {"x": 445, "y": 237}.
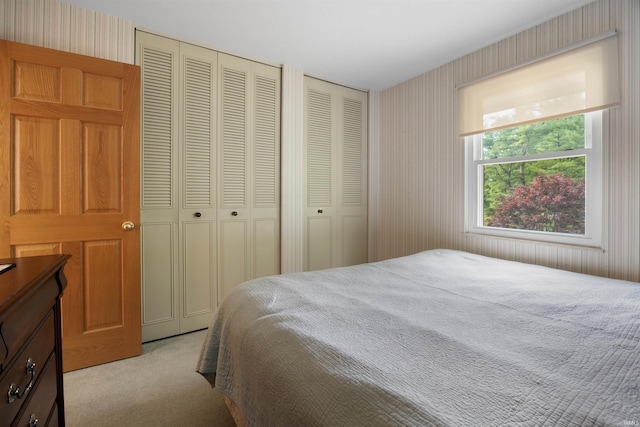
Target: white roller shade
{"x": 574, "y": 81}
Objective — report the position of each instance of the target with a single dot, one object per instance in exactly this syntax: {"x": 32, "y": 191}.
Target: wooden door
{"x": 69, "y": 179}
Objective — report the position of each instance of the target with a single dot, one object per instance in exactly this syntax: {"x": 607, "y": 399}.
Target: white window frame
{"x": 593, "y": 189}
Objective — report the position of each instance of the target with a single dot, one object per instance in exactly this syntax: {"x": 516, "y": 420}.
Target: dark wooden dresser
{"x": 31, "y": 342}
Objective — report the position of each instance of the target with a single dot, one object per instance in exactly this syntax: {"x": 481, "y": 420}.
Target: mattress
{"x": 442, "y": 337}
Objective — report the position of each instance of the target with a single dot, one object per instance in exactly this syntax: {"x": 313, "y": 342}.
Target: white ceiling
{"x": 366, "y": 44}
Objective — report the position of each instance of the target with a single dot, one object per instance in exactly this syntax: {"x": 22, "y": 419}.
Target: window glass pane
{"x": 544, "y": 195}
{"x": 562, "y": 134}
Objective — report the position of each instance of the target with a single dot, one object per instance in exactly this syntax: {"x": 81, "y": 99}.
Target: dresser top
{"x": 27, "y": 274}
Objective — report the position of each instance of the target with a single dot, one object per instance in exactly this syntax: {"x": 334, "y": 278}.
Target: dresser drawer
{"x": 38, "y": 350}
{"x": 54, "y": 418}
{"x": 31, "y": 341}
{"x": 43, "y": 399}
{"x": 22, "y": 320}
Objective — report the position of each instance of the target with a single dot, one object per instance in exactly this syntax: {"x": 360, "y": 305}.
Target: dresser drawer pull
{"x": 33, "y": 421}
{"x": 14, "y": 390}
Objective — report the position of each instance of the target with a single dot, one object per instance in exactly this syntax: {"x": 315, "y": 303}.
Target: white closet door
{"x": 352, "y": 158}
{"x": 159, "y": 60}
{"x": 335, "y": 152}
{"x": 249, "y": 170}
{"x": 265, "y": 208}
{"x": 233, "y": 154}
{"x": 320, "y": 174}
{"x": 198, "y": 281}
{"x": 178, "y": 212}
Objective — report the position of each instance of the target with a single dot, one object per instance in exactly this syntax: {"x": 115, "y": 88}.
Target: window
{"x": 539, "y": 181}
{"x": 533, "y": 142}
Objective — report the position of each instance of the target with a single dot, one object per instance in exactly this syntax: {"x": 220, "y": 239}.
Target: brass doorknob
{"x": 128, "y": 226}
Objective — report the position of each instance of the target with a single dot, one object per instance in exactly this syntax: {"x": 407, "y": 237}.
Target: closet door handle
{"x": 197, "y": 214}
{"x": 319, "y": 210}
{"x": 234, "y": 213}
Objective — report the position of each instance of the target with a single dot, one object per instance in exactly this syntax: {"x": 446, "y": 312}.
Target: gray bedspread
{"x": 441, "y": 338}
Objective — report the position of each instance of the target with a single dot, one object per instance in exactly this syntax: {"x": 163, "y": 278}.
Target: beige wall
{"x": 417, "y": 163}
{"x": 61, "y": 26}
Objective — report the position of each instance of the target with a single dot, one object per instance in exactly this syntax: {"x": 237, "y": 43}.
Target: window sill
{"x": 600, "y": 249}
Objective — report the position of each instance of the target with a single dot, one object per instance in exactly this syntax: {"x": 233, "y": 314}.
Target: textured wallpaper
{"x": 418, "y": 163}
{"x": 58, "y": 25}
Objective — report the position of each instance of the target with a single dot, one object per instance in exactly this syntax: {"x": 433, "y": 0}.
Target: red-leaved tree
{"x": 552, "y": 203}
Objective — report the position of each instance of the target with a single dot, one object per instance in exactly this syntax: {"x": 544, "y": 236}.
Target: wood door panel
{"x": 37, "y": 250}
{"x": 102, "y": 149}
{"x": 70, "y": 167}
{"x": 103, "y": 295}
{"x": 101, "y": 88}
{"x": 102, "y": 91}
{"x": 36, "y": 82}
{"x": 68, "y": 228}
{"x": 103, "y": 347}
{"x": 52, "y": 110}
{"x": 36, "y": 173}
{"x": 73, "y": 295}
{"x": 69, "y": 175}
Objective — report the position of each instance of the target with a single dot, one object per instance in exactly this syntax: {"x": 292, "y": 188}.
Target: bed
{"x": 442, "y": 338}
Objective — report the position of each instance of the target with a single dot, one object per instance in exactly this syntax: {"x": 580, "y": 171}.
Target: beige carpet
{"x": 158, "y": 388}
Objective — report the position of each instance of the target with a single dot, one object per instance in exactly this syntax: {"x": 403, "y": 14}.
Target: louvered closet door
{"x": 320, "y": 174}
{"x": 198, "y": 278}
{"x": 159, "y": 59}
{"x": 335, "y": 153}
{"x": 248, "y": 171}
{"x": 352, "y": 189}
{"x": 178, "y": 186}
{"x": 265, "y": 201}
